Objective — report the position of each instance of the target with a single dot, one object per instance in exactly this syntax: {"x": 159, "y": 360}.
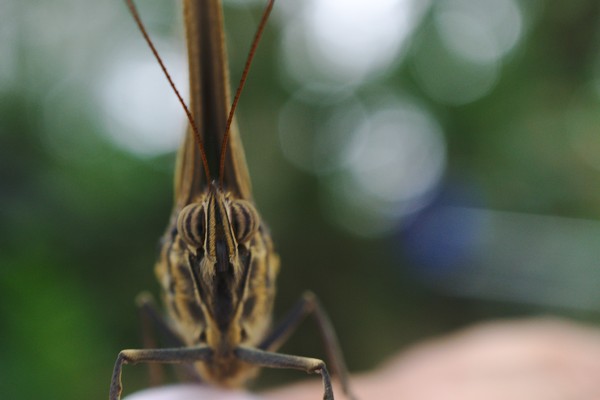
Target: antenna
{"x": 197, "y": 137}
{"x": 259, "y": 31}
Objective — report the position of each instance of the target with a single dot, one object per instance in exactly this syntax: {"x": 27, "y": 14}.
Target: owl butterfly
{"x": 217, "y": 265}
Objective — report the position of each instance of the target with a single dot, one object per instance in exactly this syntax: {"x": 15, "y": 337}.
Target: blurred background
{"x": 422, "y": 165}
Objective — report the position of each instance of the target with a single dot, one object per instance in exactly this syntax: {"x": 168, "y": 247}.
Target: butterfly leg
{"x": 161, "y": 356}
{"x": 309, "y": 305}
{"x": 276, "y": 360}
{"x": 152, "y": 321}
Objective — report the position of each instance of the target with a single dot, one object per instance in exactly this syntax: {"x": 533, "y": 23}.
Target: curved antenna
{"x": 197, "y": 137}
{"x": 259, "y": 31}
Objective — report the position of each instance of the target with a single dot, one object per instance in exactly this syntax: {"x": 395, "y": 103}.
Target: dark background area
{"x": 516, "y": 141}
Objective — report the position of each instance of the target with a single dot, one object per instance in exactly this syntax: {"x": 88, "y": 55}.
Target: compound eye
{"x": 191, "y": 225}
{"x": 244, "y": 219}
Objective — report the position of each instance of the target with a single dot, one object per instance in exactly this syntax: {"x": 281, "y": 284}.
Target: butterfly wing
{"x": 210, "y": 103}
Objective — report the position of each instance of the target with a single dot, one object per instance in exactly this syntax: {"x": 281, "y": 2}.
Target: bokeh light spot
{"x": 315, "y": 136}
{"x": 347, "y": 41}
{"x": 395, "y": 161}
{"x": 447, "y": 77}
{"x": 142, "y": 113}
{"x": 482, "y": 31}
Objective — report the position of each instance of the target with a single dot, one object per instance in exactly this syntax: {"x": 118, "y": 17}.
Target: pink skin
{"x": 536, "y": 359}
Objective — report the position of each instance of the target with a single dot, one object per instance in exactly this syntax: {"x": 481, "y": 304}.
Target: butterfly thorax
{"x": 217, "y": 270}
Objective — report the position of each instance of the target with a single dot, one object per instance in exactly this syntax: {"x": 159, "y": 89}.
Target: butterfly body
{"x": 217, "y": 265}
{"x": 217, "y": 270}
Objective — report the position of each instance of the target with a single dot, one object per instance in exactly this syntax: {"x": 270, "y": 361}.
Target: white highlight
{"x": 347, "y": 41}
{"x": 482, "y": 31}
{"x": 395, "y": 161}
{"x": 142, "y": 112}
